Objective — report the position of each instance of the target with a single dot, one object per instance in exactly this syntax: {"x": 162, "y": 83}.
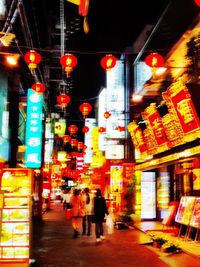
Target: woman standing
{"x": 100, "y": 209}
{"x": 77, "y": 212}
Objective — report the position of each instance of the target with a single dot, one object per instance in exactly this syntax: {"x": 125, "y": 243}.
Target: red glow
{"x": 154, "y": 60}
{"x": 108, "y": 62}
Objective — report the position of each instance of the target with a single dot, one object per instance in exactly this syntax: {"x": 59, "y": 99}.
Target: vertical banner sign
{"x": 137, "y": 136}
{"x": 152, "y": 116}
{"x": 181, "y": 103}
{"x": 34, "y": 130}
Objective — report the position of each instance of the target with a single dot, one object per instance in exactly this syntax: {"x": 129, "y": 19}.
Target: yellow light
{"x": 12, "y": 59}
{"x": 137, "y": 98}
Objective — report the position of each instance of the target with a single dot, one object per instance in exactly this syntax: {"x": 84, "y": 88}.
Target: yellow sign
{"x": 1, "y": 200}
{"x": 76, "y": 2}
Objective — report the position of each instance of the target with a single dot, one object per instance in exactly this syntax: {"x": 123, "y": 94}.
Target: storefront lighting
{"x": 12, "y": 60}
{"x": 137, "y": 98}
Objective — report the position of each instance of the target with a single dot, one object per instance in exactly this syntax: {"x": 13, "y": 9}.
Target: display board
{"x": 16, "y": 185}
{"x": 195, "y": 219}
{"x": 185, "y": 209}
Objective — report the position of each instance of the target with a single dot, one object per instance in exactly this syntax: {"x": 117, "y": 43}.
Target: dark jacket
{"x": 100, "y": 208}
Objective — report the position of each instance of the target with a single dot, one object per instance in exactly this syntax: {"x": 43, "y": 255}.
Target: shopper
{"x": 100, "y": 209}
{"x": 66, "y": 198}
{"x": 89, "y": 210}
{"x": 77, "y": 211}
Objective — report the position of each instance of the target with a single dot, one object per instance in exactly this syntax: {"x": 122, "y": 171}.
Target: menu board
{"x": 195, "y": 219}
{"x": 15, "y": 213}
{"x": 185, "y": 209}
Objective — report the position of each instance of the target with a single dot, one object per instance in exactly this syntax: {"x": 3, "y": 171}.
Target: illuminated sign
{"x": 34, "y": 130}
{"x": 60, "y": 127}
{"x": 90, "y": 123}
{"x": 148, "y": 195}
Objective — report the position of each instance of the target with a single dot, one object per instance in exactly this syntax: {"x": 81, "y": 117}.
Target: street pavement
{"x": 53, "y": 245}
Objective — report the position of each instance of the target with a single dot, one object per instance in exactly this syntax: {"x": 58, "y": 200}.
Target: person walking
{"x": 100, "y": 210}
{"x": 77, "y": 212}
{"x": 89, "y": 210}
{"x": 66, "y": 198}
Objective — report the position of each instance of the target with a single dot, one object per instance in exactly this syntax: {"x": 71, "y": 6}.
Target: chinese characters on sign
{"x": 34, "y": 130}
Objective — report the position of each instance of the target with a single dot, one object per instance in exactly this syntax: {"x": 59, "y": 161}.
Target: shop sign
{"x": 137, "y": 136}
{"x": 180, "y": 102}
{"x": 33, "y": 155}
{"x": 152, "y": 116}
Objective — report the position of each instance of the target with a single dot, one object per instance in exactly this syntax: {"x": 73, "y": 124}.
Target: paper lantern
{"x": 66, "y": 138}
{"x": 106, "y": 115}
{"x": 38, "y": 87}
{"x": 63, "y": 100}
{"x": 108, "y": 62}
{"x": 85, "y": 129}
{"x": 102, "y": 129}
{"x": 72, "y": 129}
{"x": 85, "y": 109}
{"x": 154, "y": 60}
{"x": 32, "y": 58}
{"x": 68, "y": 62}
{"x": 197, "y": 2}
{"x": 80, "y": 146}
{"x": 74, "y": 142}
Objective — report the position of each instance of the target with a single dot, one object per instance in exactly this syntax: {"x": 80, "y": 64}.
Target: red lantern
{"x": 63, "y": 100}
{"x": 154, "y": 60}
{"x": 102, "y": 129}
{"x": 32, "y": 58}
{"x": 108, "y": 62}
{"x": 66, "y": 138}
{"x": 68, "y": 62}
{"x": 72, "y": 129}
{"x": 85, "y": 129}
{"x": 83, "y": 7}
{"x": 197, "y": 2}
{"x": 120, "y": 128}
{"x": 106, "y": 115}
{"x": 73, "y": 142}
{"x": 38, "y": 87}
{"x": 80, "y": 145}
{"x": 85, "y": 108}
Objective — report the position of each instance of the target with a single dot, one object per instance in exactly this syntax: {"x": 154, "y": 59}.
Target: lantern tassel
{"x": 86, "y": 25}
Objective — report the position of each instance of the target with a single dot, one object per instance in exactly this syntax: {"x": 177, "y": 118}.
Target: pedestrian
{"x": 89, "y": 210}
{"x": 77, "y": 211}
{"x": 100, "y": 210}
{"x": 66, "y": 198}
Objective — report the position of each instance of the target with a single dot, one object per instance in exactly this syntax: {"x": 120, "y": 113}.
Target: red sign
{"x": 137, "y": 136}
{"x": 155, "y": 123}
{"x": 183, "y": 105}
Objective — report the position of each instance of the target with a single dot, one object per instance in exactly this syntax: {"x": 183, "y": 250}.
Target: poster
{"x": 185, "y": 209}
{"x": 195, "y": 219}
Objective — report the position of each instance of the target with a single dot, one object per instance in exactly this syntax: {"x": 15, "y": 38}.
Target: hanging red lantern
{"x": 80, "y": 146}
{"x": 102, "y": 129}
{"x": 106, "y": 115}
{"x": 108, "y": 62}
{"x": 85, "y": 108}
{"x": 74, "y": 142}
{"x": 197, "y": 2}
{"x": 85, "y": 129}
{"x": 66, "y": 138}
{"x": 63, "y": 100}
{"x": 68, "y": 62}
{"x": 72, "y": 129}
{"x": 38, "y": 87}
{"x": 120, "y": 128}
{"x": 32, "y": 58}
{"x": 154, "y": 60}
